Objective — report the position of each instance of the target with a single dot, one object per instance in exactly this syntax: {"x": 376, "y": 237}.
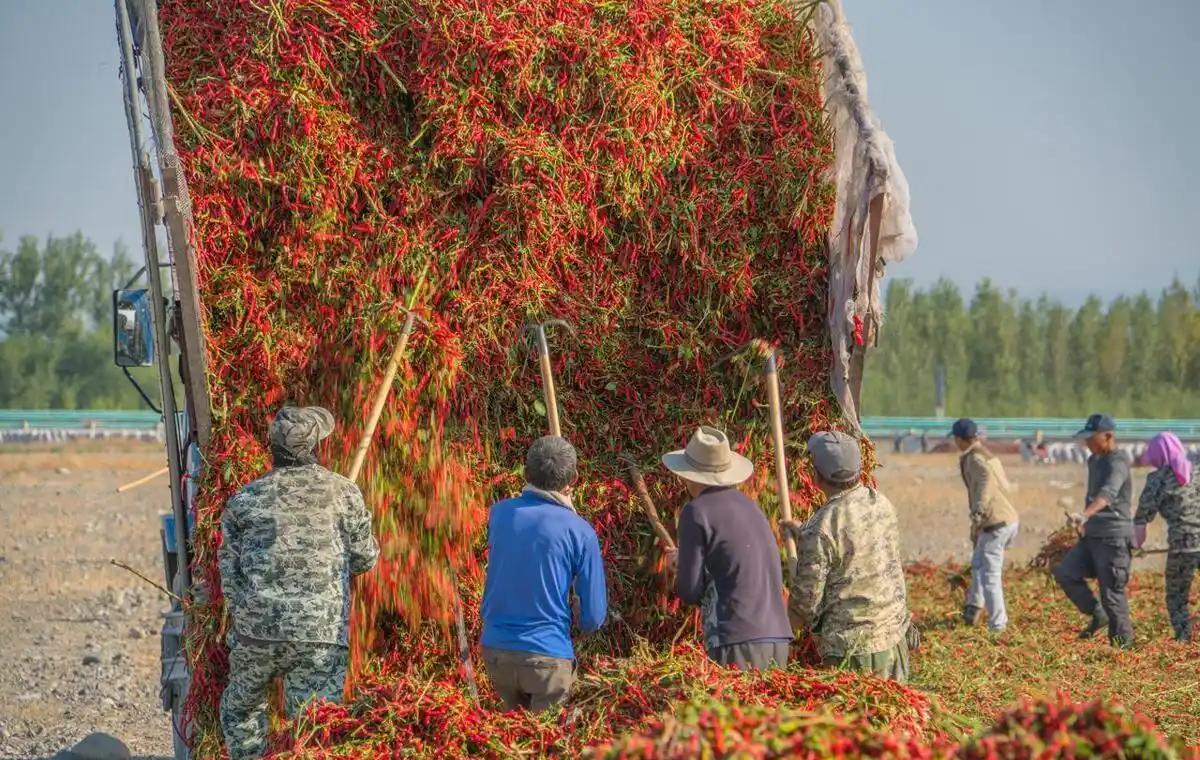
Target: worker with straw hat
{"x": 849, "y": 587}
{"x": 291, "y": 541}
{"x": 725, "y": 540}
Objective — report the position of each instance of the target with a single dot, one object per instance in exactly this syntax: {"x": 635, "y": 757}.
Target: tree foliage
{"x": 1009, "y": 356}
{"x": 56, "y": 328}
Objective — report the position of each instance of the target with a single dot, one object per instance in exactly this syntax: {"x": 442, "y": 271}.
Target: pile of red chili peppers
{"x": 652, "y": 171}
{"x": 398, "y": 709}
{"x": 1055, "y": 728}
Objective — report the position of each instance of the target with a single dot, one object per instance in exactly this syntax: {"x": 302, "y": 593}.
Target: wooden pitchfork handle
{"x": 548, "y": 392}
{"x": 781, "y": 478}
{"x": 639, "y": 485}
{"x": 464, "y": 648}
{"x": 385, "y": 387}
{"x": 549, "y": 396}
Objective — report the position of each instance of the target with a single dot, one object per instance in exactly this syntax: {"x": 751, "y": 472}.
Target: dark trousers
{"x": 752, "y": 655}
{"x": 1107, "y": 560}
{"x": 1181, "y": 567}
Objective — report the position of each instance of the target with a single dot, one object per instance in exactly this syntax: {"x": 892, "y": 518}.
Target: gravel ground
{"x": 80, "y": 636}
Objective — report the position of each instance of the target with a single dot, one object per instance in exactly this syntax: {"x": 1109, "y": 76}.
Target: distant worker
{"x": 539, "y": 552}
{"x": 725, "y": 540}
{"x": 1104, "y": 550}
{"x": 849, "y": 587}
{"x": 291, "y": 542}
{"x": 994, "y": 525}
{"x": 1173, "y": 492}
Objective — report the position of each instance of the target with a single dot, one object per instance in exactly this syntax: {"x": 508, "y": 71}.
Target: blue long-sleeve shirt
{"x": 538, "y": 550}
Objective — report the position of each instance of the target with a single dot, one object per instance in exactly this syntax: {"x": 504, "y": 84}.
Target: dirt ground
{"x": 81, "y": 636}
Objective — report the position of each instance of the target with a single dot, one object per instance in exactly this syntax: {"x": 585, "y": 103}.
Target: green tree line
{"x": 56, "y": 326}
{"x": 1005, "y": 355}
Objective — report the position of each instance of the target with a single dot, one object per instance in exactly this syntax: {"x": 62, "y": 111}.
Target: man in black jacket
{"x": 725, "y": 541}
{"x": 1105, "y": 548}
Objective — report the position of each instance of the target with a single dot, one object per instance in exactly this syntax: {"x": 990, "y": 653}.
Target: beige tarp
{"x": 872, "y": 225}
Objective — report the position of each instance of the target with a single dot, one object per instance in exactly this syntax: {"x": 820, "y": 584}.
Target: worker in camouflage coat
{"x": 849, "y": 587}
{"x": 1173, "y": 492}
{"x": 291, "y": 542}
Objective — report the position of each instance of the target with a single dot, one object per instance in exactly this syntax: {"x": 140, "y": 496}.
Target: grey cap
{"x": 836, "y": 456}
{"x": 298, "y": 429}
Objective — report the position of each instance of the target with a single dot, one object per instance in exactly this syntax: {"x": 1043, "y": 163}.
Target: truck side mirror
{"x": 133, "y": 328}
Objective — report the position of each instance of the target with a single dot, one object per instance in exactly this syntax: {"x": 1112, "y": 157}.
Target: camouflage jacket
{"x": 849, "y": 582}
{"x": 292, "y": 540}
{"x": 1179, "y": 506}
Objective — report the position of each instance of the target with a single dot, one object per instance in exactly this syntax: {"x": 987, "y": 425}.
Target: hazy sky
{"x": 1050, "y": 144}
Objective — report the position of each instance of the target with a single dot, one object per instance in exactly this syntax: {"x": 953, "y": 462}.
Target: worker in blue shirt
{"x": 539, "y": 552}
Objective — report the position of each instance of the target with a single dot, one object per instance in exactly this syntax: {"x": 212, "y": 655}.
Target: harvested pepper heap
{"x": 650, "y": 171}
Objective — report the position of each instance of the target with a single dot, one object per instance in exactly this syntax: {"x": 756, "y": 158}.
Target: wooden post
{"x": 548, "y": 393}
{"x": 781, "y": 478}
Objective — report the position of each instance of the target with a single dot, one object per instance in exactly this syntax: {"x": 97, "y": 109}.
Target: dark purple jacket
{"x": 723, "y": 535}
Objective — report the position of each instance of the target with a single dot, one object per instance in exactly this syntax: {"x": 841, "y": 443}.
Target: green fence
{"x": 57, "y": 419}
{"x": 1009, "y": 427}
{"x": 1026, "y": 427}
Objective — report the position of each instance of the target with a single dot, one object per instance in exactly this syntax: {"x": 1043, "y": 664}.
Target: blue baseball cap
{"x": 1096, "y": 424}
{"x": 965, "y": 428}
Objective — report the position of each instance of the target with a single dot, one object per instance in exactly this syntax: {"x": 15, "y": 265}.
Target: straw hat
{"x": 709, "y": 460}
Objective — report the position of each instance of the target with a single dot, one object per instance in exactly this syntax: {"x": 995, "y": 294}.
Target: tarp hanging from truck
{"x": 872, "y": 224}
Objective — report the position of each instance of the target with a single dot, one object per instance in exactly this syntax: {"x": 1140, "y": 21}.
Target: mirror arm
{"x": 136, "y": 276}
{"x": 141, "y": 392}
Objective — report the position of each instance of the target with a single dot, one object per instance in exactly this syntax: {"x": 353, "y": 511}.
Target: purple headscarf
{"x": 1167, "y": 450}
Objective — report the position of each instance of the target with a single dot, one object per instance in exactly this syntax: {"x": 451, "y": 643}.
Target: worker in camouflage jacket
{"x": 1173, "y": 491}
{"x": 848, "y": 587}
{"x": 291, "y": 542}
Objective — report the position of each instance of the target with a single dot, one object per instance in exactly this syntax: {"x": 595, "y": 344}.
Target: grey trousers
{"x": 987, "y": 574}
{"x": 1107, "y": 560}
{"x": 752, "y": 655}
{"x": 531, "y": 681}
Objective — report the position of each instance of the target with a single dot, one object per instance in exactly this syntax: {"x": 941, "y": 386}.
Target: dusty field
{"x": 81, "y": 637}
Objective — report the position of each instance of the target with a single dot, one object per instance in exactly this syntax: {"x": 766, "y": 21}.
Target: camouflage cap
{"x": 298, "y": 429}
